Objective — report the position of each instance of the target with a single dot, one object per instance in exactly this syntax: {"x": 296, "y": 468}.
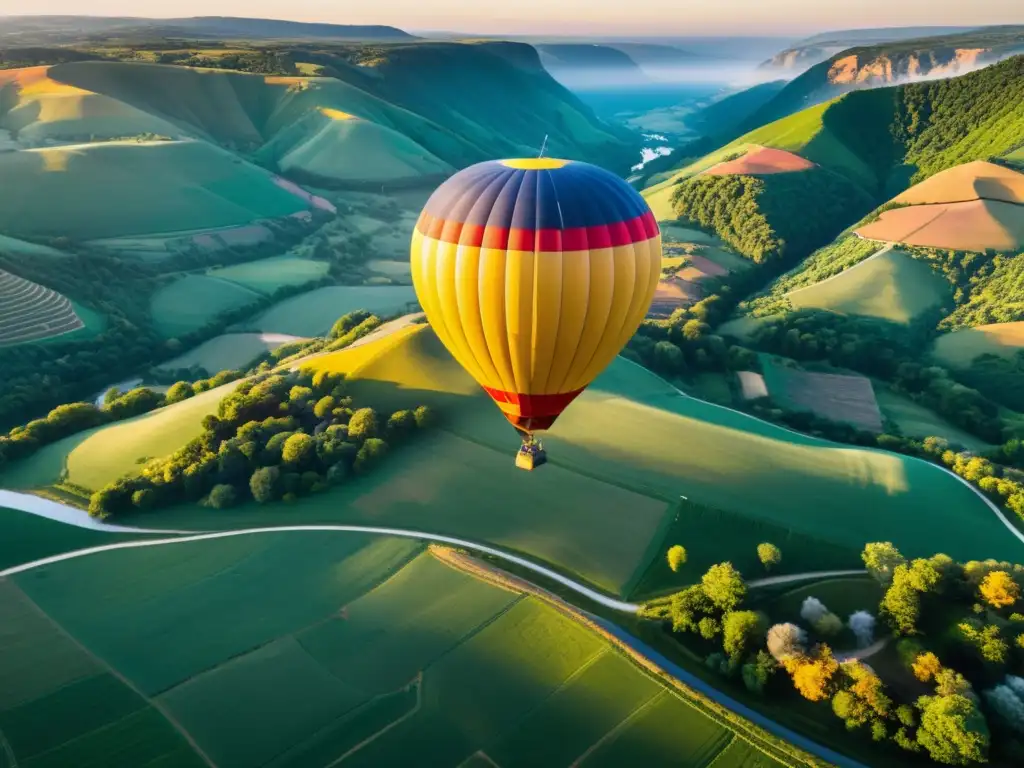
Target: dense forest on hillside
{"x": 773, "y": 217}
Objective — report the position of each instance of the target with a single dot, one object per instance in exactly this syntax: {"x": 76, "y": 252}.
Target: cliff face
{"x": 885, "y": 69}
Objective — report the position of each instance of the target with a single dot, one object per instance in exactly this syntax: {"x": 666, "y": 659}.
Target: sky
{"x": 563, "y": 17}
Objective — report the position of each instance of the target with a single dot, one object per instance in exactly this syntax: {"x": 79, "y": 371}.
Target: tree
{"x": 926, "y": 666}
{"x": 769, "y": 555}
{"x": 179, "y": 391}
{"x": 688, "y": 607}
{"x": 371, "y": 452}
{"x": 741, "y": 629}
{"x": 144, "y": 498}
{"x": 709, "y": 628}
{"x": 985, "y": 640}
{"x": 829, "y": 625}
{"x": 222, "y": 496}
{"x": 363, "y": 424}
{"x": 401, "y": 424}
{"x": 881, "y": 559}
{"x": 786, "y": 641}
{"x": 324, "y": 406}
{"x": 953, "y": 730}
{"x": 676, "y": 557}
{"x": 758, "y": 672}
{"x": 668, "y": 358}
{"x": 812, "y": 675}
{"x": 425, "y": 417}
{"x": 263, "y": 484}
{"x": 298, "y": 450}
{"x": 999, "y": 590}
{"x": 724, "y": 586}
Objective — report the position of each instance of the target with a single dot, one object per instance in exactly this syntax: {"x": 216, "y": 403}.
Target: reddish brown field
{"x": 699, "y": 267}
{"x": 970, "y": 181}
{"x": 671, "y": 295}
{"x": 971, "y": 226}
{"x": 762, "y": 161}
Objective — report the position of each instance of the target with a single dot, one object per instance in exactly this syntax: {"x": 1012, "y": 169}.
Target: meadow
{"x": 25, "y": 537}
{"x": 192, "y": 302}
{"x": 268, "y": 275}
{"x": 959, "y": 348}
{"x": 148, "y": 188}
{"x": 917, "y": 421}
{"x": 229, "y": 351}
{"x": 313, "y": 313}
{"x": 306, "y": 649}
{"x": 889, "y": 286}
{"x": 95, "y": 457}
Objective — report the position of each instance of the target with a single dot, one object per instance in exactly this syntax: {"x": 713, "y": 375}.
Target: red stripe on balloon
{"x": 534, "y": 406}
{"x": 609, "y": 235}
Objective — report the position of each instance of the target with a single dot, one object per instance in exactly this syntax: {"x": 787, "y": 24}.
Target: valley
{"x": 257, "y": 510}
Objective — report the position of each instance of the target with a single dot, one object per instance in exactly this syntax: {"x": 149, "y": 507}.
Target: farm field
{"x": 33, "y": 312}
{"x": 889, "y": 286}
{"x": 959, "y": 348}
{"x": 229, "y": 351}
{"x": 267, "y": 275}
{"x": 193, "y": 301}
{"x": 759, "y": 161}
{"x": 313, "y": 313}
{"x": 338, "y": 645}
{"x": 95, "y": 457}
{"x": 839, "y": 397}
{"x": 917, "y": 421}
{"x": 977, "y": 225}
{"x": 978, "y": 180}
{"x": 148, "y": 188}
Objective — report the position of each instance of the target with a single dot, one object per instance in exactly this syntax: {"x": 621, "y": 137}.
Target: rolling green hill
{"x": 305, "y": 648}
{"x": 147, "y": 188}
{"x": 608, "y": 503}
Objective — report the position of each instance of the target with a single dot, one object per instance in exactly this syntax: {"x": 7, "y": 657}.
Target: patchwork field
{"x": 230, "y": 351}
{"x": 960, "y": 347}
{"x": 313, "y": 313}
{"x": 979, "y": 180}
{"x": 148, "y": 188}
{"x": 889, "y": 286}
{"x": 308, "y": 649}
{"x": 193, "y": 301}
{"x": 690, "y": 256}
{"x": 268, "y": 275}
{"x": 838, "y": 397}
{"x": 31, "y": 312}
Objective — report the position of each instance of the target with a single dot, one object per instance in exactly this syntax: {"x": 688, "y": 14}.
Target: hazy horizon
{"x": 573, "y": 17}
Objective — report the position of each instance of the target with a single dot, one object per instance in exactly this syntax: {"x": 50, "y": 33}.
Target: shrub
{"x": 371, "y": 452}
{"x": 222, "y": 497}
{"x": 263, "y": 484}
{"x": 363, "y": 425}
{"x": 676, "y": 557}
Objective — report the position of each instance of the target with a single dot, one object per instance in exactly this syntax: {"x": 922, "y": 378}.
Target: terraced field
{"x": 30, "y": 312}
{"x": 307, "y": 649}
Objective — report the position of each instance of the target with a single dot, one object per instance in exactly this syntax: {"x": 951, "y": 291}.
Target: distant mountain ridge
{"x": 43, "y": 29}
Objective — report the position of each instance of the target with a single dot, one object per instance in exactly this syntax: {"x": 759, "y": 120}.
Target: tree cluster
{"x": 276, "y": 436}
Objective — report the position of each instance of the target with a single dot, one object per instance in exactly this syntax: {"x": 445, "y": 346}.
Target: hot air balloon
{"x": 534, "y": 273}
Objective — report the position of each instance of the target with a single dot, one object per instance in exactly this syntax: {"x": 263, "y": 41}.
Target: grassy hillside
{"x": 313, "y": 313}
{"x": 959, "y": 348}
{"x": 148, "y": 187}
{"x": 188, "y": 304}
{"x": 268, "y": 275}
{"x": 889, "y": 286}
{"x": 422, "y": 659}
{"x": 230, "y": 351}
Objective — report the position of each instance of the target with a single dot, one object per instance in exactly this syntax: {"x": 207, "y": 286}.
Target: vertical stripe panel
{"x": 547, "y": 308}
{"x": 519, "y": 315}
{"x": 492, "y": 314}
{"x": 467, "y": 296}
{"x": 600, "y": 289}
{"x": 575, "y": 299}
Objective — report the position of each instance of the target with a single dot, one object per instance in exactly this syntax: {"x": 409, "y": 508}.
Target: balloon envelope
{"x": 534, "y": 274}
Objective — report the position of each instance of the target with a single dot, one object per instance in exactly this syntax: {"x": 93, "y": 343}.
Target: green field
{"x": 268, "y": 275}
{"x": 230, "y": 351}
{"x": 313, "y": 313}
{"x": 303, "y": 649}
{"x": 25, "y": 537}
{"x": 95, "y": 457}
{"x": 890, "y": 286}
{"x": 117, "y": 189}
{"x": 959, "y": 348}
{"x": 917, "y": 421}
{"x": 193, "y": 301}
